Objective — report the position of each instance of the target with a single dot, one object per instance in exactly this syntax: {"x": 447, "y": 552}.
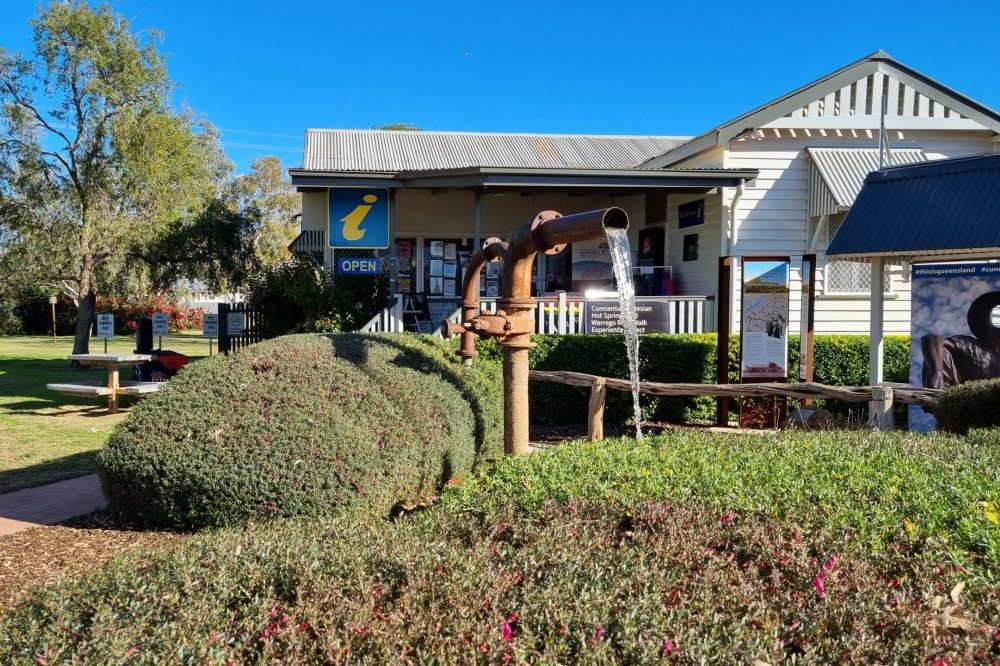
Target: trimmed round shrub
{"x": 300, "y": 425}
{"x": 969, "y": 405}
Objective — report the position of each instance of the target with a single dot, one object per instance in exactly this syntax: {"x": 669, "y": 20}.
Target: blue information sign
{"x": 356, "y": 266}
{"x": 359, "y": 218}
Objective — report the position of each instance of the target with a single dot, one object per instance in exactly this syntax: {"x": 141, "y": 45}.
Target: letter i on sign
{"x": 352, "y": 221}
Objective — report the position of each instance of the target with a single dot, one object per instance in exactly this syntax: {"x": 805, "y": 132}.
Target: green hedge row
{"x": 301, "y": 425}
{"x": 839, "y": 360}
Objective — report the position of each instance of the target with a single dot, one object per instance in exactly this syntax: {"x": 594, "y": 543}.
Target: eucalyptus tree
{"x": 95, "y": 165}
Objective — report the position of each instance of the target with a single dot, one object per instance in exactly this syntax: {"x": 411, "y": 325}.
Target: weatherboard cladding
{"x": 941, "y": 206}
{"x": 837, "y": 174}
{"x": 393, "y": 151}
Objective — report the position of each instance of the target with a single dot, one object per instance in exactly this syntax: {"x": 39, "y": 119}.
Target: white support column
{"x": 875, "y": 357}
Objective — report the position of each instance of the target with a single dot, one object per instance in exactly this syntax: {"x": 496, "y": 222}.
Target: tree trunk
{"x": 86, "y": 304}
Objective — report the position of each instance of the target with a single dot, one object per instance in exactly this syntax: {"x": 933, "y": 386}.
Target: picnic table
{"x": 115, "y": 386}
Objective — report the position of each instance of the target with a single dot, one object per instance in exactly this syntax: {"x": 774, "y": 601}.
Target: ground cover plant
{"x": 44, "y": 436}
{"x": 299, "y": 425}
{"x": 681, "y": 549}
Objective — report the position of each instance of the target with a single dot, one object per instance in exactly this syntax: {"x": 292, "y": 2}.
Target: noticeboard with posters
{"x": 953, "y": 334}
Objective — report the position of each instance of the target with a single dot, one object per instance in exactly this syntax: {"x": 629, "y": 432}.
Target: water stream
{"x": 621, "y": 259}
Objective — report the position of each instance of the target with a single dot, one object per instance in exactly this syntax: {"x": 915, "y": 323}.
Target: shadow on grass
{"x": 49, "y": 471}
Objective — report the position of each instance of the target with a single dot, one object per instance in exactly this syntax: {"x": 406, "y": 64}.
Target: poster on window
{"x": 953, "y": 332}
{"x": 764, "y": 320}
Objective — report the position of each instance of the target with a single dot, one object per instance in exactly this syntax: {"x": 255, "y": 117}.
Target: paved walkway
{"x": 51, "y": 504}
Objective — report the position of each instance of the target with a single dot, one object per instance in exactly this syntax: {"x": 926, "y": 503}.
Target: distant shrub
{"x": 969, "y": 405}
{"x": 294, "y": 296}
{"x": 301, "y": 425}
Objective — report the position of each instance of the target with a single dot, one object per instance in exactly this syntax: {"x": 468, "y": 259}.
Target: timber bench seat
{"x": 79, "y": 388}
{"x": 87, "y": 389}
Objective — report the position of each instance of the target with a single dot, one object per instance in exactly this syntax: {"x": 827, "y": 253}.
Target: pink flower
{"x": 598, "y": 635}
{"x": 726, "y": 518}
{"x": 667, "y": 647}
{"x": 506, "y": 632}
{"x": 818, "y": 584}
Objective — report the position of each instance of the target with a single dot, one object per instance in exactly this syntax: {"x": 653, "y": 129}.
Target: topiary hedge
{"x": 840, "y": 360}
{"x": 300, "y": 425}
{"x": 969, "y": 405}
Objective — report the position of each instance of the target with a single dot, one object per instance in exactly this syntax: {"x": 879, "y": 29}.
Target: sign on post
{"x": 359, "y": 266}
{"x": 359, "y": 218}
{"x": 210, "y": 326}
{"x": 105, "y": 326}
{"x": 161, "y": 324}
{"x": 764, "y": 329}
{"x": 236, "y": 323}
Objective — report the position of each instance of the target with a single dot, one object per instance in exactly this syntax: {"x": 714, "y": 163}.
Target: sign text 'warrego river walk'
{"x": 651, "y": 316}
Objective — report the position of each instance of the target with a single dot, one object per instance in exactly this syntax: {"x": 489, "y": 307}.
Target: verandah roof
{"x": 932, "y": 210}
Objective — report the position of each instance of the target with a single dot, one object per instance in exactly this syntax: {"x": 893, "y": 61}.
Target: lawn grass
{"x": 44, "y": 436}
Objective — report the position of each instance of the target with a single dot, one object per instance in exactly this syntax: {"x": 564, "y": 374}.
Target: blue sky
{"x": 266, "y": 71}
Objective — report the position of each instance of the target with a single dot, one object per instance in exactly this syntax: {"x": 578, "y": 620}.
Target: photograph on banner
{"x": 764, "y": 321}
{"x": 592, "y": 267}
{"x": 954, "y": 336}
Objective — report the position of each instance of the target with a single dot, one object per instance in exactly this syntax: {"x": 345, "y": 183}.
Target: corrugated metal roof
{"x": 944, "y": 206}
{"x": 393, "y": 151}
{"x": 837, "y": 174}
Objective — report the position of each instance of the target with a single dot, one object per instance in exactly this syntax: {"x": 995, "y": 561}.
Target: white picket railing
{"x": 562, "y": 314}
{"x": 390, "y": 320}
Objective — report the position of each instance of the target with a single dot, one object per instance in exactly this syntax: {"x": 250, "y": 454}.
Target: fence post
{"x": 595, "y": 410}
{"x": 881, "y": 408}
{"x": 224, "y": 340}
{"x": 562, "y": 313}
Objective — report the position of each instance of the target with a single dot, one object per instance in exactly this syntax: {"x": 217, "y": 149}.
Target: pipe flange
{"x": 515, "y": 304}
{"x": 540, "y": 219}
{"x": 493, "y": 240}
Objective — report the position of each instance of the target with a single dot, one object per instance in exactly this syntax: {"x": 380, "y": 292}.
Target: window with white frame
{"x": 848, "y": 278}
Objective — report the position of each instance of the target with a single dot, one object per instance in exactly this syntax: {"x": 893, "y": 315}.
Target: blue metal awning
{"x": 930, "y": 209}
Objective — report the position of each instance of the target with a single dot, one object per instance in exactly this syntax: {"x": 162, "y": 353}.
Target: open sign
{"x": 364, "y": 266}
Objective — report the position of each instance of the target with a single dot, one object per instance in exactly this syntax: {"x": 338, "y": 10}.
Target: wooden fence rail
{"x": 883, "y": 395}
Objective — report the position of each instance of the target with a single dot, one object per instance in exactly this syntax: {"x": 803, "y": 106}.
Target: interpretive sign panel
{"x": 651, "y": 316}
{"x": 764, "y": 321}
{"x": 953, "y": 338}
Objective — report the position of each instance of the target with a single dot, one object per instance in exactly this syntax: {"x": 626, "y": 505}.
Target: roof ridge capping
{"x": 877, "y": 61}
{"x": 348, "y": 130}
{"x": 933, "y": 167}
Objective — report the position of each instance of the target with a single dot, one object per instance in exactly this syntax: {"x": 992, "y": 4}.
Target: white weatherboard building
{"x": 775, "y": 181}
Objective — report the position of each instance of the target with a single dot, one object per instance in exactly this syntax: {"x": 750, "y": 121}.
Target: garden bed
{"x": 845, "y": 547}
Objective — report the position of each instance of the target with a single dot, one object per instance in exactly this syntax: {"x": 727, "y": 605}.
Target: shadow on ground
{"x": 49, "y": 471}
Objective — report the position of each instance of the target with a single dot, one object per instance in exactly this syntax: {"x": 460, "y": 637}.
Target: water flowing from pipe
{"x": 621, "y": 260}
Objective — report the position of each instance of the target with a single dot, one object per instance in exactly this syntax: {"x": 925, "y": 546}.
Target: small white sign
{"x": 105, "y": 326}
{"x": 210, "y": 326}
{"x": 161, "y": 324}
{"x": 236, "y": 322}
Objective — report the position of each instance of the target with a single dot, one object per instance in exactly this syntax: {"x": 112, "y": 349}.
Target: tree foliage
{"x": 94, "y": 164}
{"x": 268, "y": 196}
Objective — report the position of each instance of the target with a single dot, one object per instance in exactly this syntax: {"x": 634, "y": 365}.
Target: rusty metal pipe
{"x": 493, "y": 249}
{"x": 548, "y": 232}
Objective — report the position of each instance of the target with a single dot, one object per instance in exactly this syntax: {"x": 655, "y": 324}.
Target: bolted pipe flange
{"x": 540, "y": 219}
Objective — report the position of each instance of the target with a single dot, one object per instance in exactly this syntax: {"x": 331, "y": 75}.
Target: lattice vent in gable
{"x": 864, "y": 98}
